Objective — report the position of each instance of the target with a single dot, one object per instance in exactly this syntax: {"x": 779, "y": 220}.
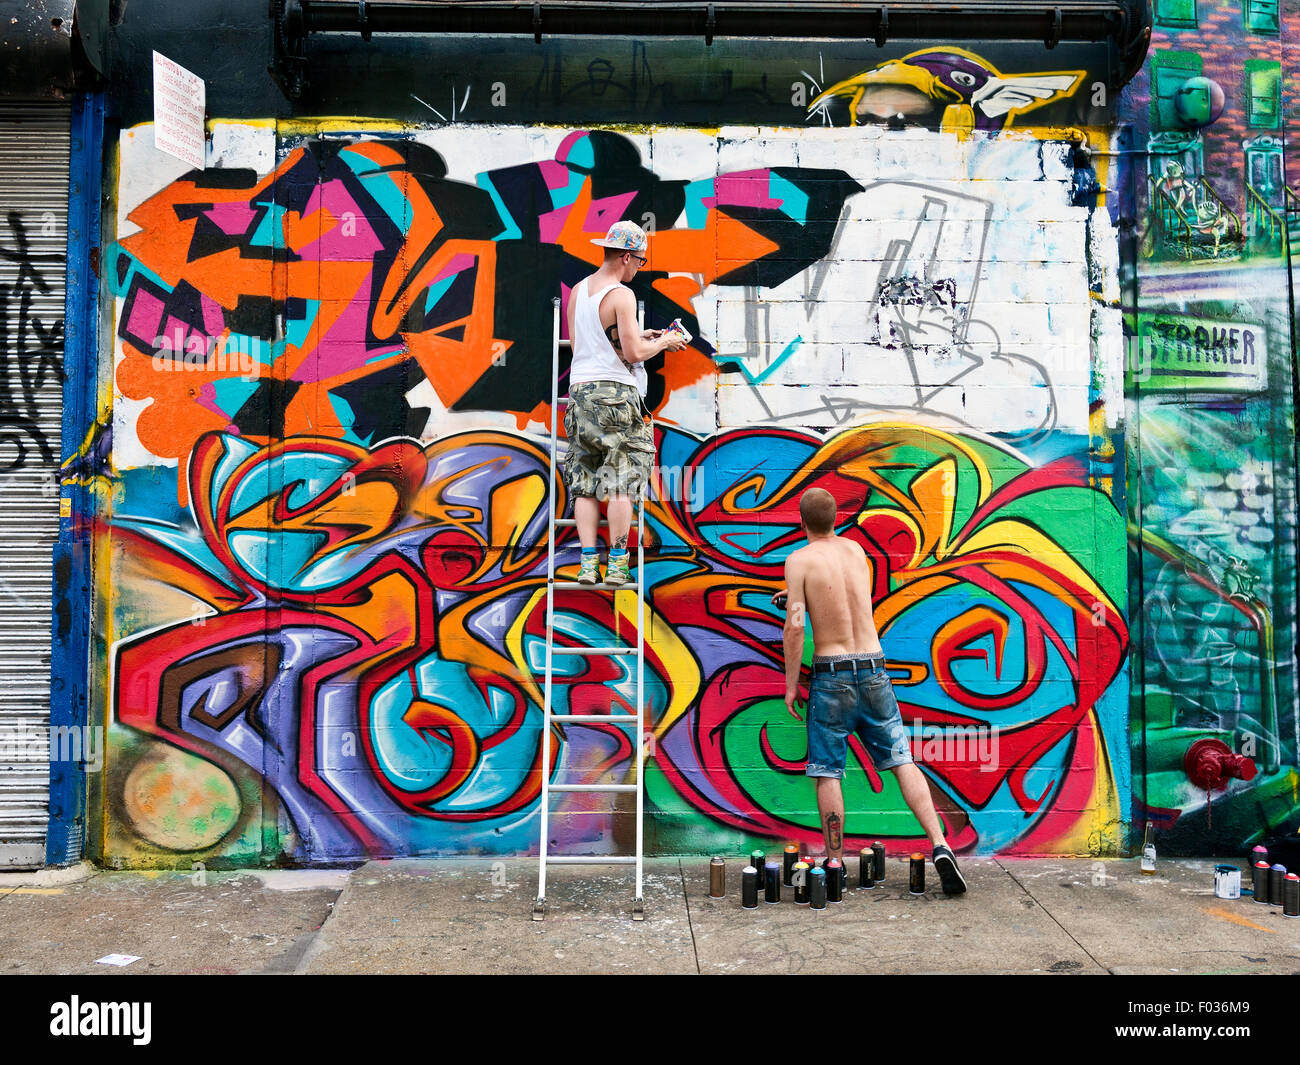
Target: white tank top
{"x": 594, "y": 357}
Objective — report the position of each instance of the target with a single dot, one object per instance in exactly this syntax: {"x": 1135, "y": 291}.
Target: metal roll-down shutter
{"x": 33, "y": 254}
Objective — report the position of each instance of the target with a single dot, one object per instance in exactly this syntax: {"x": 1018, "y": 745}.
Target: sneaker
{"x": 619, "y": 570}
{"x": 589, "y": 571}
{"x": 946, "y": 866}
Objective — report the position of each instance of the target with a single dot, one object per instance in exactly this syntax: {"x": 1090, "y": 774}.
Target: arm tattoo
{"x": 834, "y": 837}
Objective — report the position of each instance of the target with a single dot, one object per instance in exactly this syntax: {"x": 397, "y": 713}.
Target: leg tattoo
{"x": 834, "y": 836}
{"x": 620, "y": 542}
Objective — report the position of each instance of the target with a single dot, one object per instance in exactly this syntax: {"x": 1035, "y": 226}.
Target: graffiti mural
{"x": 1212, "y": 509}
{"x": 328, "y": 530}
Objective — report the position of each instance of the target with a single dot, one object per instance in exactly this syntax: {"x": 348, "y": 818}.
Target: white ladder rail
{"x": 549, "y": 718}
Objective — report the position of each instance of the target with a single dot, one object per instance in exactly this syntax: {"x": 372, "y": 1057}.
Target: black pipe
{"x": 1080, "y": 20}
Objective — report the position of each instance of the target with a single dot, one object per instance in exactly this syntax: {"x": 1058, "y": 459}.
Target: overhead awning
{"x": 1125, "y": 24}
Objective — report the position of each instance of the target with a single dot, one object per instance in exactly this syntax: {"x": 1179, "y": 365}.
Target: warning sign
{"x": 179, "y": 101}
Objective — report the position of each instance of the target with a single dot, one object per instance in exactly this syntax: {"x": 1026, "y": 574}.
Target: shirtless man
{"x": 829, "y": 582}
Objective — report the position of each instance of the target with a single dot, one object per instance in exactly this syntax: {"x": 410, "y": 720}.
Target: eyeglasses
{"x": 641, "y": 260}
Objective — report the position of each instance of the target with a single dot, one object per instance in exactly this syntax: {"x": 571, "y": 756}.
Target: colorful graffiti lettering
{"x": 393, "y": 599}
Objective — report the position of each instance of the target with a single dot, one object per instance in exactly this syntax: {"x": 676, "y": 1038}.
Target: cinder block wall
{"x": 325, "y": 549}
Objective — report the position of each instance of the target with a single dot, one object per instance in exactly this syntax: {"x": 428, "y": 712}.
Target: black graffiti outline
{"x": 19, "y": 415}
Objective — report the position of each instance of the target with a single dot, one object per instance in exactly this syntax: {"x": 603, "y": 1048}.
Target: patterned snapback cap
{"x": 627, "y": 236}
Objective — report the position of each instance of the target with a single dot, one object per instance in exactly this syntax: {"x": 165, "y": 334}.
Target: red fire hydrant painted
{"x": 1211, "y": 764}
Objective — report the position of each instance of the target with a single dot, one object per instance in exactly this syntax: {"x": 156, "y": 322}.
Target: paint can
{"x": 772, "y": 882}
{"x": 791, "y": 856}
{"x": 878, "y": 849}
{"x": 1227, "y": 882}
{"x": 757, "y": 859}
{"x": 817, "y": 888}
{"x": 749, "y": 887}
{"x": 717, "y": 879}
{"x": 866, "y": 868}
{"x": 916, "y": 874}
{"x": 1276, "y": 877}
{"x": 1259, "y": 854}
{"x": 1291, "y": 896}
{"x": 1260, "y": 881}
{"x": 801, "y": 885}
{"x": 835, "y": 877}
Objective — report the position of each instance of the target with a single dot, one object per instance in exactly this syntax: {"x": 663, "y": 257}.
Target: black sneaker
{"x": 949, "y": 875}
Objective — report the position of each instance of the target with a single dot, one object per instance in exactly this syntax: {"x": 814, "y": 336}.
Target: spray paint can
{"x": 835, "y": 876}
{"x": 1291, "y": 896}
{"x": 801, "y": 886}
{"x": 757, "y": 859}
{"x": 1259, "y": 854}
{"x": 817, "y": 888}
{"x": 717, "y": 879}
{"x": 1227, "y": 882}
{"x": 878, "y": 849}
{"x": 916, "y": 874}
{"x": 866, "y": 868}
{"x": 749, "y": 887}
{"x": 772, "y": 882}
{"x": 791, "y": 856}
{"x": 1276, "y": 876}
{"x": 1260, "y": 881}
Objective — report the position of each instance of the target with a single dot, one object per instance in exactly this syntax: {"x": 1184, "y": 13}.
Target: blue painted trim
{"x": 70, "y": 647}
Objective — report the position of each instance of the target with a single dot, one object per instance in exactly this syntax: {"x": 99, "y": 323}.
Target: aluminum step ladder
{"x": 548, "y": 717}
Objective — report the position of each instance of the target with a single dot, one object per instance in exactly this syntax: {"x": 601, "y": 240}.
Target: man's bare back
{"x": 832, "y": 579}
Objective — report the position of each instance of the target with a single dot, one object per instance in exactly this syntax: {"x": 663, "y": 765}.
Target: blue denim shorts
{"x": 857, "y": 697}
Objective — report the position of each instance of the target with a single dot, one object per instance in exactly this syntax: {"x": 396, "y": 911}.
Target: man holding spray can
{"x": 828, "y": 582}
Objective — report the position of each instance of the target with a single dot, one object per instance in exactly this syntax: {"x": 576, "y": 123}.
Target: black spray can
{"x": 801, "y": 885}
{"x": 749, "y": 887}
{"x": 834, "y": 880}
{"x": 757, "y": 859}
{"x": 878, "y": 849}
{"x": 916, "y": 874}
{"x": 1260, "y": 881}
{"x": 866, "y": 867}
{"x": 1276, "y": 876}
{"x": 1291, "y": 896}
{"x": 791, "y": 856}
{"x": 772, "y": 873}
{"x": 817, "y": 888}
{"x": 717, "y": 879}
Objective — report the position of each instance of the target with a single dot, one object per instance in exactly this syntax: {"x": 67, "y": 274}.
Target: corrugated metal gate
{"x": 33, "y": 252}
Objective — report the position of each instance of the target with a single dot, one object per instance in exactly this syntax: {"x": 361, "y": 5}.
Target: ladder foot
{"x": 539, "y": 909}
{"x": 638, "y": 909}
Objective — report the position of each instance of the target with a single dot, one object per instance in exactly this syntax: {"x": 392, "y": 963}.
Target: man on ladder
{"x": 611, "y": 447}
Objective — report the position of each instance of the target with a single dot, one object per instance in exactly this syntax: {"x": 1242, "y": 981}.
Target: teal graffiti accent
{"x": 794, "y": 201}
{"x": 758, "y": 379}
{"x": 509, "y": 231}
{"x": 696, "y": 211}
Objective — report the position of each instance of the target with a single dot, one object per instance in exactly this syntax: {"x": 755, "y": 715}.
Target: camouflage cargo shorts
{"x": 611, "y": 449}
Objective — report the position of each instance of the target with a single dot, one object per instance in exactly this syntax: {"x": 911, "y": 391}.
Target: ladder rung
{"x": 593, "y": 650}
{"x": 565, "y": 342}
{"x": 570, "y": 522}
{"x": 580, "y": 718}
{"x": 563, "y": 401}
{"x": 592, "y": 787}
{"x": 631, "y": 586}
{"x": 578, "y": 859}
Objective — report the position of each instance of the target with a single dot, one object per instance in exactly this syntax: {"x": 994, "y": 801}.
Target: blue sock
{"x": 618, "y": 552}
{"x": 590, "y": 551}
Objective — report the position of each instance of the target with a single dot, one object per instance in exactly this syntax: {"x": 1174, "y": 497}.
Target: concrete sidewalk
{"x": 1039, "y": 915}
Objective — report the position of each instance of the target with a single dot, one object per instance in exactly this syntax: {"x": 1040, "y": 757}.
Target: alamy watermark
{"x": 175, "y": 352}
{"x": 72, "y": 744}
{"x": 952, "y": 743}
